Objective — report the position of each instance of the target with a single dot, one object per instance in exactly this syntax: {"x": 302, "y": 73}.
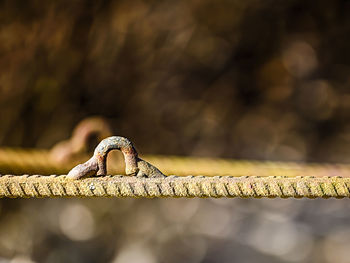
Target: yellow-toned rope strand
{"x": 173, "y": 186}
{"x": 33, "y": 161}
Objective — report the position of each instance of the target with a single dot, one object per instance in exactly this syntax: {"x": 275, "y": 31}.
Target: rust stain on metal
{"x": 97, "y": 164}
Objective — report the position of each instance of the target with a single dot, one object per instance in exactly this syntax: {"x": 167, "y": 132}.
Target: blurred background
{"x": 263, "y": 80}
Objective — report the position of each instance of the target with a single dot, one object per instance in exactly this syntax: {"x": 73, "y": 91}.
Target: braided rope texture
{"x": 174, "y": 186}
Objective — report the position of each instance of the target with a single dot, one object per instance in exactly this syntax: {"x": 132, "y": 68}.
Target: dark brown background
{"x": 238, "y": 79}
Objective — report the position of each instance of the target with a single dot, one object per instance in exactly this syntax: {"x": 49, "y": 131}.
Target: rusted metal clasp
{"x": 97, "y": 164}
{"x": 70, "y": 150}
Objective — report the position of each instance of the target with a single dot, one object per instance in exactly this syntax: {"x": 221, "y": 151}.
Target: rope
{"x": 246, "y": 178}
{"x": 243, "y": 178}
{"x": 19, "y": 161}
{"x": 173, "y": 186}
{"x": 33, "y": 161}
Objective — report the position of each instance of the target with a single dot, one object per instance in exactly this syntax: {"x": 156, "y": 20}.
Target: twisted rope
{"x": 33, "y": 161}
{"x": 266, "y": 179}
{"x": 173, "y": 186}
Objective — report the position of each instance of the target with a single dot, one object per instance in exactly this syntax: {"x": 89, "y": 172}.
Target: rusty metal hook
{"x": 97, "y": 164}
{"x": 68, "y": 150}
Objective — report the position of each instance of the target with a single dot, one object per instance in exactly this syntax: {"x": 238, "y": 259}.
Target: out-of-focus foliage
{"x": 243, "y": 79}
{"x": 246, "y": 79}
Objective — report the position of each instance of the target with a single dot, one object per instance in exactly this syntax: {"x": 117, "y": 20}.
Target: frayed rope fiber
{"x": 173, "y": 186}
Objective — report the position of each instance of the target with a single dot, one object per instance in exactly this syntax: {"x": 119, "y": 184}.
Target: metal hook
{"x": 97, "y": 164}
{"x": 68, "y": 150}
